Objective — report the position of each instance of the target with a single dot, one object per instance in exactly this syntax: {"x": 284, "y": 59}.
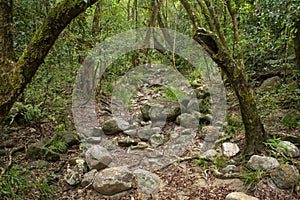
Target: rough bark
{"x": 297, "y": 48}
{"x": 235, "y": 71}
{"x": 21, "y": 73}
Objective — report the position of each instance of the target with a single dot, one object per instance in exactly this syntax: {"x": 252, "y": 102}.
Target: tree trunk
{"x": 297, "y": 49}
{"x": 14, "y": 81}
{"x": 215, "y": 45}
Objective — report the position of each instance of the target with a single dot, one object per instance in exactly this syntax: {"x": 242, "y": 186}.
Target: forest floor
{"x": 27, "y": 179}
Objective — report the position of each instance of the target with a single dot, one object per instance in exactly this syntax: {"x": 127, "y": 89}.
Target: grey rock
{"x": 70, "y": 137}
{"x": 270, "y": 84}
{"x": 211, "y": 133}
{"x": 88, "y": 178}
{"x": 93, "y": 140}
{"x": 288, "y": 149}
{"x": 146, "y": 132}
{"x": 160, "y": 112}
{"x": 113, "y": 180}
{"x": 148, "y": 182}
{"x": 235, "y": 184}
{"x": 157, "y": 140}
{"x": 187, "y": 120}
{"x": 193, "y": 105}
{"x": 97, "y": 157}
{"x": 131, "y": 132}
{"x": 230, "y": 149}
{"x": 285, "y": 177}
{"x": 91, "y": 132}
{"x": 239, "y": 196}
{"x": 145, "y": 111}
{"x": 230, "y": 169}
{"x": 209, "y": 154}
{"x": 114, "y": 126}
{"x": 257, "y": 162}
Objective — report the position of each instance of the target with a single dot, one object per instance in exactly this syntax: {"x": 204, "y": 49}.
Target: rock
{"x": 148, "y": 182}
{"x": 74, "y": 176}
{"x": 91, "y": 132}
{"x": 93, "y": 140}
{"x": 146, "y": 132}
{"x": 113, "y": 180}
{"x": 230, "y": 149}
{"x": 161, "y": 112}
{"x": 203, "y": 118}
{"x": 88, "y": 178}
{"x": 193, "y": 105}
{"x": 262, "y": 162}
{"x": 40, "y": 151}
{"x": 230, "y": 169}
{"x": 239, "y": 196}
{"x": 235, "y": 184}
{"x": 145, "y": 111}
{"x": 97, "y": 157}
{"x": 270, "y": 84}
{"x": 285, "y": 177}
{"x": 209, "y": 154}
{"x": 157, "y": 140}
{"x": 187, "y": 121}
{"x": 127, "y": 142}
{"x": 114, "y": 126}
{"x": 288, "y": 149}
{"x": 131, "y": 132}
{"x": 211, "y": 133}
{"x": 70, "y": 137}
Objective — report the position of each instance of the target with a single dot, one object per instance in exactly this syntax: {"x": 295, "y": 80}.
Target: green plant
{"x": 201, "y": 162}
{"x": 13, "y": 184}
{"x": 219, "y": 161}
{"x": 58, "y": 145}
{"x": 233, "y": 125}
{"x": 173, "y": 94}
{"x": 45, "y": 187}
{"x": 250, "y": 178}
{"x": 291, "y": 120}
{"x": 28, "y": 112}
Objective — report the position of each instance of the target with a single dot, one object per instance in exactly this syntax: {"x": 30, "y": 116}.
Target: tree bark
{"x": 235, "y": 71}
{"x": 14, "y": 81}
{"x": 297, "y": 49}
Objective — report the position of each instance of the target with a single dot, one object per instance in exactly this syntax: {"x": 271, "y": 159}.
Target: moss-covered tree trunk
{"x": 297, "y": 49}
{"x": 15, "y": 76}
{"x": 214, "y": 42}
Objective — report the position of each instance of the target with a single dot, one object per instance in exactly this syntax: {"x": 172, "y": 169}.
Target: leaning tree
{"x": 14, "y": 76}
{"x": 210, "y": 35}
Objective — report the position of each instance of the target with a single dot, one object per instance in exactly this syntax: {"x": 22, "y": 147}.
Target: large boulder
{"x": 288, "y": 149}
{"x": 97, "y": 157}
{"x": 285, "y": 177}
{"x": 257, "y": 162}
{"x": 270, "y": 84}
{"x": 113, "y": 180}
